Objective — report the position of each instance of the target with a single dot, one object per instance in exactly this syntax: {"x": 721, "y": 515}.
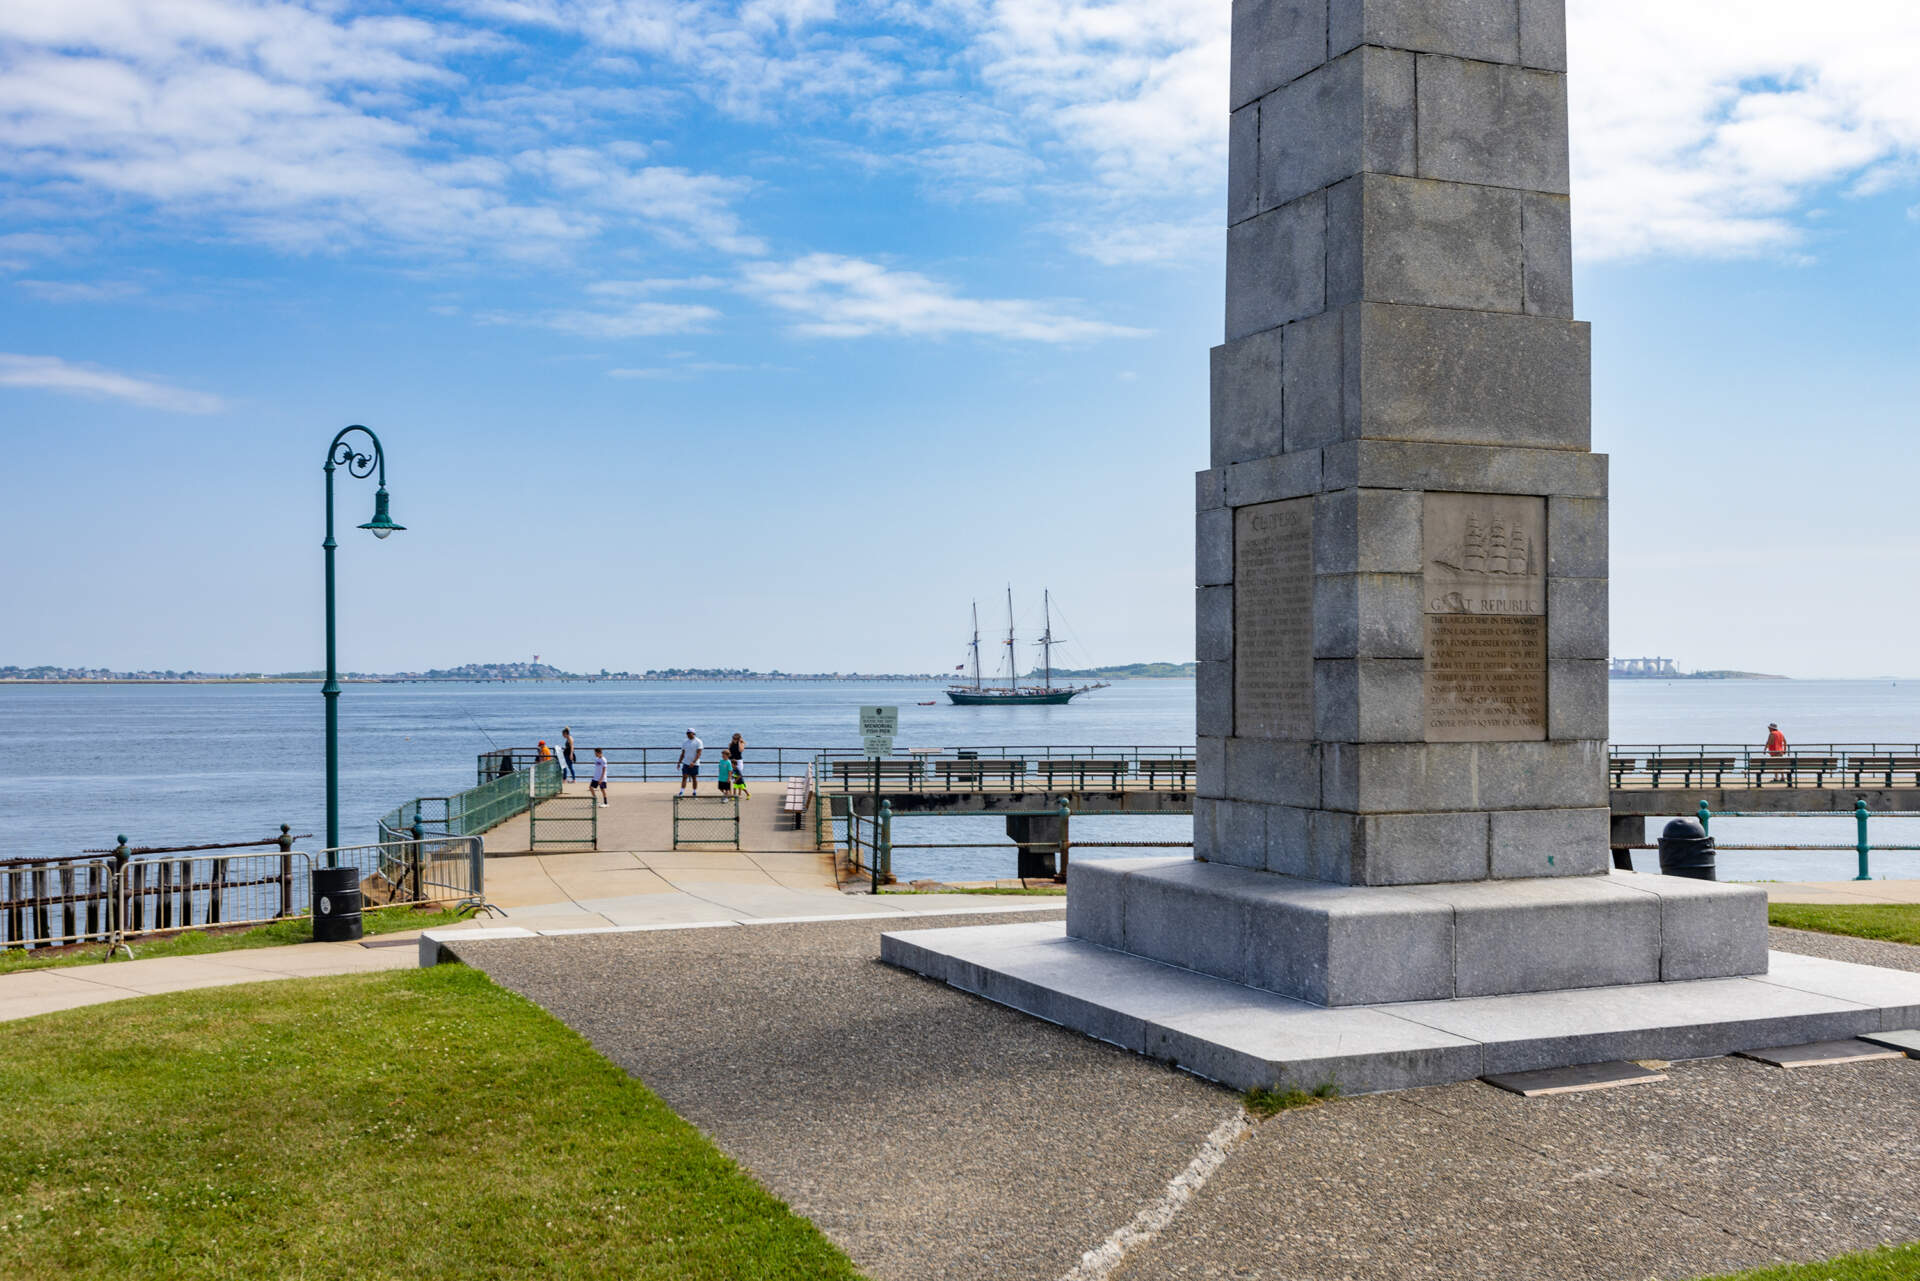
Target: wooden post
{"x": 40, "y": 923}
{"x": 67, "y": 921}
{"x": 216, "y": 891}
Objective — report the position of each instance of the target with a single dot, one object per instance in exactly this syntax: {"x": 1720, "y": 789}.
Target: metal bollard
{"x": 1686, "y": 850}
{"x": 1066, "y": 839}
{"x": 1860, "y": 843}
{"x": 1706, "y": 819}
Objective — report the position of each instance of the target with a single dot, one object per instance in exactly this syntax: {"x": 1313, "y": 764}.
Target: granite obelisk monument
{"x": 1402, "y": 617}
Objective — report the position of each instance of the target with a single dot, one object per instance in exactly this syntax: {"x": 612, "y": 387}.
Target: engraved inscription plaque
{"x": 1486, "y": 554}
{"x": 1486, "y": 678}
{"x": 1273, "y": 620}
{"x": 1485, "y": 583}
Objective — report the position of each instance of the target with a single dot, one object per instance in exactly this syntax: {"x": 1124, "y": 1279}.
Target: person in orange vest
{"x": 1776, "y": 746}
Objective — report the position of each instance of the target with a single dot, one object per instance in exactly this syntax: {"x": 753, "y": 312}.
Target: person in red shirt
{"x": 1776, "y": 746}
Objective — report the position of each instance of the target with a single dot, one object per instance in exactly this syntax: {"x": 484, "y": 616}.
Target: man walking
{"x": 690, "y": 753}
{"x": 599, "y": 780}
{"x": 1776, "y": 746}
{"x": 566, "y": 755}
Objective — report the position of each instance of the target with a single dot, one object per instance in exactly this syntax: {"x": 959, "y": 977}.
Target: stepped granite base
{"x": 1247, "y": 1037}
{"x": 1370, "y": 945}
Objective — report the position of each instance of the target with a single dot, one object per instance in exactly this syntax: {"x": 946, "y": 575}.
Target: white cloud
{"x": 51, "y": 373}
{"x": 841, "y": 297}
{"x": 79, "y": 290}
{"x": 695, "y": 208}
{"x": 1709, "y": 128}
{"x": 691, "y": 369}
{"x": 626, "y": 320}
{"x": 309, "y": 126}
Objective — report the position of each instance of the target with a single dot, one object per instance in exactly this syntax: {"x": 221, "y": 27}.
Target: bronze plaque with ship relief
{"x": 1486, "y": 606}
{"x": 1273, "y": 620}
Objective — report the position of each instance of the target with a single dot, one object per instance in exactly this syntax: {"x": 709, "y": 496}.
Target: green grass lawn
{"x": 419, "y": 1123}
{"x": 299, "y": 929}
{"x": 1893, "y": 1263}
{"x": 1894, "y": 922}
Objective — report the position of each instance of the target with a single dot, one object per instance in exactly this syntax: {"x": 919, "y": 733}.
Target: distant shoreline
{"x": 1717, "y": 676}
{"x": 473, "y": 680}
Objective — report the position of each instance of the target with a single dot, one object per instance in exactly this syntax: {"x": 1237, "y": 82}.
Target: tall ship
{"x": 981, "y": 694}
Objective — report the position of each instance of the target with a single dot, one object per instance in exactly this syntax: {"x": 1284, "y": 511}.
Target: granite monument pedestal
{"x": 1402, "y": 866}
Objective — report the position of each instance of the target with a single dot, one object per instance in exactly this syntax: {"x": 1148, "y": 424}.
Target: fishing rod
{"x": 482, "y": 728}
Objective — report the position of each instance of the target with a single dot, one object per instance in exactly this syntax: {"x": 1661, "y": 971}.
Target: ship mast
{"x": 1046, "y": 636}
{"x": 1013, "y": 660}
{"x": 976, "y": 644}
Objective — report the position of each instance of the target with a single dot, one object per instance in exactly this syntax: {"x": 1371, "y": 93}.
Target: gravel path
{"x": 935, "y": 1135}
{"x": 930, "y": 1134}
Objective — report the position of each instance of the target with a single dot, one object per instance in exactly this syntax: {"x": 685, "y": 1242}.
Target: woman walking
{"x": 736, "y": 752}
{"x": 566, "y": 755}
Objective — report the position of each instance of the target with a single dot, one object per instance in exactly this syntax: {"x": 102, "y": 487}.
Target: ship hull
{"x": 970, "y": 698}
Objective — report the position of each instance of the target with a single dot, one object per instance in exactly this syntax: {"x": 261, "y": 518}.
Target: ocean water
{"x": 180, "y": 764}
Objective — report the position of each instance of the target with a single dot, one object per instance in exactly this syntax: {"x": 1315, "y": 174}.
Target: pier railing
{"x": 646, "y": 764}
{"x": 1013, "y": 766}
{"x": 1805, "y": 765}
{"x": 133, "y": 893}
{"x": 478, "y": 809}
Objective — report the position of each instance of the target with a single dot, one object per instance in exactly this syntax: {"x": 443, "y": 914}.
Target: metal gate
{"x": 564, "y": 822}
{"x": 706, "y": 820}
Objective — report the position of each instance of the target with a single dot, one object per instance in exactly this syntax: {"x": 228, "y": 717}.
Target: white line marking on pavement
{"x": 1098, "y": 1264}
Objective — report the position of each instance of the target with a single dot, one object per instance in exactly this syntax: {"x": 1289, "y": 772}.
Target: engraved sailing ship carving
{"x": 1493, "y": 547}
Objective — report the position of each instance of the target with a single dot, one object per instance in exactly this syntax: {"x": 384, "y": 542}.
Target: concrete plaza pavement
{"x": 931, "y": 1133}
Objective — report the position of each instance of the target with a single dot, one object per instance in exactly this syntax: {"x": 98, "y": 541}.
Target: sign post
{"x": 877, "y": 727}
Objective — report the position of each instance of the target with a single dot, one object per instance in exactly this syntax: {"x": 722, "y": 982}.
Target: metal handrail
{"x": 477, "y": 810}
{"x": 161, "y": 894}
{"x": 1862, "y": 846}
{"x": 54, "y": 902}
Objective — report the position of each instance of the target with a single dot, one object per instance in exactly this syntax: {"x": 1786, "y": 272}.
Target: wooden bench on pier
{"x": 1693, "y": 770}
{"x": 799, "y": 792}
{"x": 1795, "y": 770}
{"x": 974, "y": 774}
{"x": 1884, "y": 770}
{"x": 870, "y": 773}
{"x": 1079, "y": 771}
{"x": 1174, "y": 769}
{"x": 1621, "y": 766}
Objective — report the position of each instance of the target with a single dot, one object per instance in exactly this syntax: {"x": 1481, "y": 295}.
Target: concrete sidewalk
{"x": 1841, "y": 891}
{"x": 31, "y": 992}
{"x": 687, "y": 900}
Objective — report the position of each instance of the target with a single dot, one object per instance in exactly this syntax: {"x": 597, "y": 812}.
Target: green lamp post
{"x": 359, "y": 464}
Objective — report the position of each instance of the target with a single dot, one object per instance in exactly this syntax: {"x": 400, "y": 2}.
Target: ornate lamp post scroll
{"x": 343, "y": 452}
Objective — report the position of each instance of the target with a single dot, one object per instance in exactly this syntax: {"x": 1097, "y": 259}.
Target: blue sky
{"x": 773, "y": 333}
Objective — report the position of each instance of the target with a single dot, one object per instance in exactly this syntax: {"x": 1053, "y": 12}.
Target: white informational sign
{"x": 879, "y": 720}
{"x": 877, "y": 744}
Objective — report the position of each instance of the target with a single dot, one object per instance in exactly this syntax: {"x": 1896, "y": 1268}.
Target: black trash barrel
{"x": 336, "y": 904}
{"x": 1686, "y": 850}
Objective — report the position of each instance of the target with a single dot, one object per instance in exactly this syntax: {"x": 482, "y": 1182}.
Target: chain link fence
{"x": 706, "y": 820}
